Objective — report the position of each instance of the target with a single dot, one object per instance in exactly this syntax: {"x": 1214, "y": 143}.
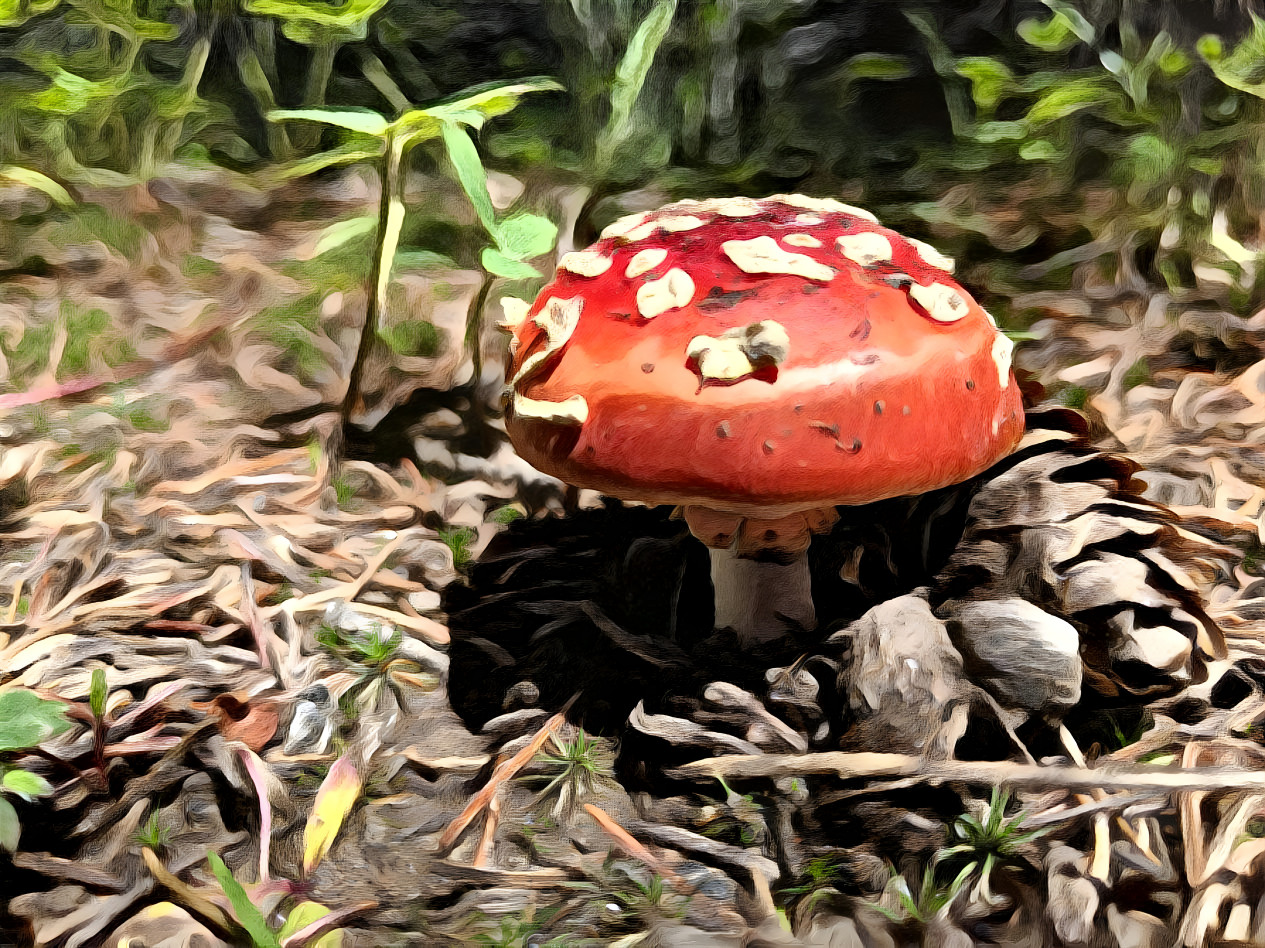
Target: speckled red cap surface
{"x": 759, "y": 356}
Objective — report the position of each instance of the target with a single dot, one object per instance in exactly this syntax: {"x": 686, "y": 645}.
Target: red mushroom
{"x": 759, "y": 362}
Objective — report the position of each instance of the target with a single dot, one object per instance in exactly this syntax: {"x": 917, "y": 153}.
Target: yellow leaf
{"x": 338, "y": 794}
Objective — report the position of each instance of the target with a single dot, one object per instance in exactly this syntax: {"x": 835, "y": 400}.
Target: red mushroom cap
{"x": 760, "y": 357}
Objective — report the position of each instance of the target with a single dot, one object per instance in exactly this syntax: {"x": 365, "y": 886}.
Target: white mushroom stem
{"x": 761, "y": 600}
{"x": 760, "y": 576}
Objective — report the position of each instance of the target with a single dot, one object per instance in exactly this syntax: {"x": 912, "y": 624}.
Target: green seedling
{"x": 818, "y": 880}
{"x": 373, "y": 655}
{"x": 372, "y": 137}
{"x": 26, "y": 720}
{"x": 306, "y": 922}
{"x": 108, "y": 729}
{"x": 931, "y": 901}
{"x": 153, "y": 834}
{"x": 459, "y": 539}
{"x": 576, "y": 768}
{"x": 519, "y": 931}
{"x": 989, "y": 841}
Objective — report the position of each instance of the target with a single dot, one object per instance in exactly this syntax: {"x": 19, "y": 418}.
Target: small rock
{"x": 1026, "y": 657}
{"x": 1134, "y": 929}
{"x": 903, "y": 678}
{"x": 1073, "y": 898}
{"x": 312, "y": 725}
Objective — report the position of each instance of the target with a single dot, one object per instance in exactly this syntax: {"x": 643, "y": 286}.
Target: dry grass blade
{"x": 184, "y": 893}
{"x": 503, "y": 772}
{"x": 631, "y": 846}
{"x": 1000, "y": 773}
{"x": 326, "y": 923}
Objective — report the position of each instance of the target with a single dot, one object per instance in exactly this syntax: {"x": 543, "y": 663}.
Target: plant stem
{"x": 390, "y": 220}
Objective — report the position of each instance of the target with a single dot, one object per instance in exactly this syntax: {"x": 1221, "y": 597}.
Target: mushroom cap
{"x": 760, "y": 357}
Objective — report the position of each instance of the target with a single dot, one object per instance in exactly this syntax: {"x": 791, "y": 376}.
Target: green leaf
{"x": 365, "y": 121}
{"x": 346, "y": 154}
{"x": 26, "y": 784}
{"x": 1070, "y": 97}
{"x": 314, "y": 22}
{"x": 1052, "y": 36}
{"x": 337, "y": 234}
{"x": 469, "y": 167}
{"x": 1243, "y": 68}
{"x": 26, "y": 719}
{"x": 417, "y": 259}
{"x": 98, "y": 691}
{"x": 41, "y": 182}
{"x": 10, "y": 828}
{"x": 882, "y": 66}
{"x": 990, "y": 79}
{"x": 417, "y": 125}
{"x": 303, "y": 915}
{"x": 631, "y": 74}
{"x": 525, "y": 235}
{"x": 476, "y": 107}
{"x": 496, "y": 262}
{"x": 16, "y": 12}
{"x": 248, "y": 916}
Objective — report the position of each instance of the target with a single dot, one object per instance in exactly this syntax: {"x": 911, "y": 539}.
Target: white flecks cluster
{"x": 625, "y": 225}
{"x": 739, "y": 352}
{"x": 643, "y": 261}
{"x": 675, "y": 288}
{"x": 932, "y": 257}
{"x": 737, "y": 207}
{"x": 1003, "y": 346}
{"x": 558, "y": 318}
{"x": 515, "y": 311}
{"x": 570, "y": 411}
{"x": 867, "y": 249}
{"x": 942, "y": 303}
{"x": 763, "y": 255}
{"x": 823, "y": 205}
{"x": 680, "y": 222}
{"x": 586, "y": 263}
{"x": 801, "y": 240}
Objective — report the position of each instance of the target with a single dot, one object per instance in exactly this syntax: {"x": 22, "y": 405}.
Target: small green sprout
{"x": 989, "y": 841}
{"x": 931, "y": 901}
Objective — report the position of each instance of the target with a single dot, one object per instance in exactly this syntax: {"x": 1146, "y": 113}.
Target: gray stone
{"x": 904, "y": 679}
{"x": 1026, "y": 657}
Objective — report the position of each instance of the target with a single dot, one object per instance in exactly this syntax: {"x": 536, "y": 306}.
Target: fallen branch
{"x": 997, "y": 773}
{"x": 503, "y": 772}
{"x": 634, "y": 848}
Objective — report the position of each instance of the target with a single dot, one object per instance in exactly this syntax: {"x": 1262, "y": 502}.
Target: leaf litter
{"x": 269, "y": 622}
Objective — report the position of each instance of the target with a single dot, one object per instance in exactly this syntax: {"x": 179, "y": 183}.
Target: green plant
{"x": 520, "y": 931}
{"x": 372, "y": 137}
{"x": 932, "y": 899}
{"x": 26, "y": 720}
{"x": 818, "y": 879}
{"x": 576, "y": 767}
{"x": 989, "y": 840}
{"x": 458, "y": 539}
{"x": 373, "y": 655}
{"x": 153, "y": 834}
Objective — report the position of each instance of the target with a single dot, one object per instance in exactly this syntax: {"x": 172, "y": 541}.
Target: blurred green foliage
{"x": 1026, "y": 137}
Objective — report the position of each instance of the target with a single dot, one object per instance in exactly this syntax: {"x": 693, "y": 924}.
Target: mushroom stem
{"x": 761, "y": 600}
{"x": 760, "y": 576}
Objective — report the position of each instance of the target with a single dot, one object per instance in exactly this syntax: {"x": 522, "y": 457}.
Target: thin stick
{"x": 504, "y": 771}
{"x": 628, "y": 844}
{"x": 1000, "y": 773}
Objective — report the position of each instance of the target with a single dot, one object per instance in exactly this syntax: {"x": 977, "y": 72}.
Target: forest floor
{"x": 269, "y": 619}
